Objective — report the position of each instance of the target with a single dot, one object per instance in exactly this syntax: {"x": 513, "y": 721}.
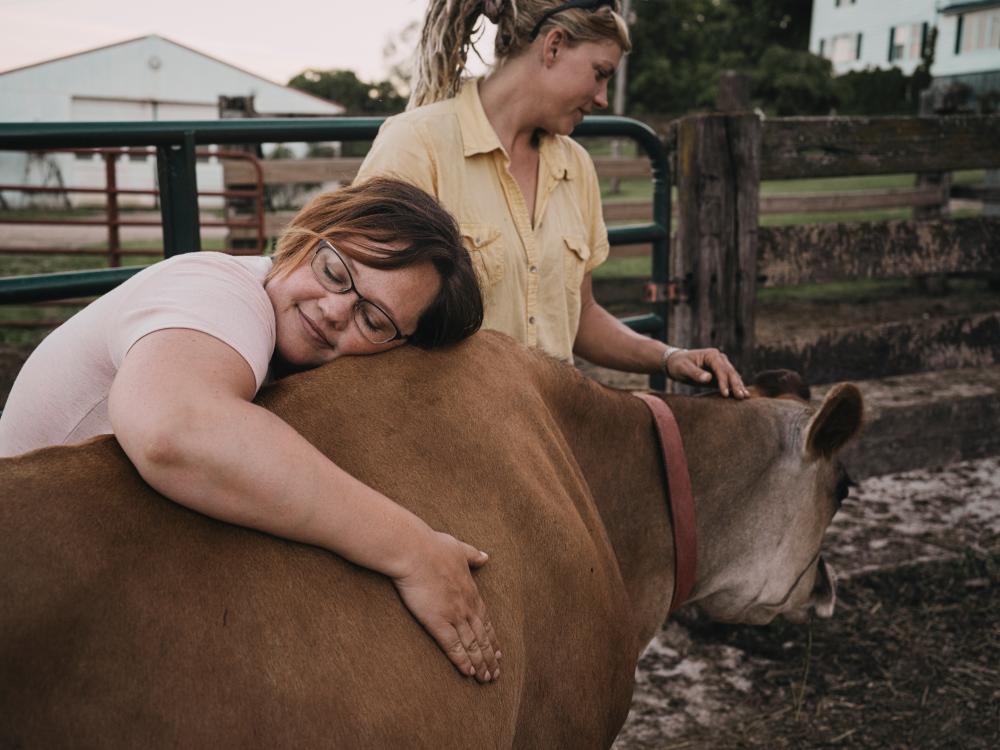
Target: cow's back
{"x": 138, "y": 622}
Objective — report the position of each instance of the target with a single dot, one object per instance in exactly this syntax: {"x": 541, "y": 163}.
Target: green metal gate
{"x": 175, "y": 144}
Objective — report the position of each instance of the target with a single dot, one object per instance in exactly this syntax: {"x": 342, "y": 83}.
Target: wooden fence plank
{"x": 855, "y": 200}
{"x": 888, "y": 349}
{"x": 623, "y": 168}
{"x": 292, "y": 171}
{"x": 803, "y": 203}
{"x": 628, "y": 211}
{"x": 800, "y": 147}
{"x": 810, "y": 253}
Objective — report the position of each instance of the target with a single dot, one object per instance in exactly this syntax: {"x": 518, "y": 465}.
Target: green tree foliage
{"x": 345, "y": 88}
{"x": 357, "y": 97}
{"x": 794, "y": 82}
{"x": 681, "y": 46}
{"x": 874, "y": 92}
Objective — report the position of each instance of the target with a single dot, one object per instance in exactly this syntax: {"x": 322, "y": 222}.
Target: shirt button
{"x": 533, "y": 269}
{"x": 532, "y": 320}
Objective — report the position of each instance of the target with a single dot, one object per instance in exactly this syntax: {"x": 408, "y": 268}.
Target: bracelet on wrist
{"x": 668, "y": 353}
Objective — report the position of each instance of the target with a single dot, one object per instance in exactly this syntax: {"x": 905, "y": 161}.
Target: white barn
{"x": 859, "y": 34}
{"x": 145, "y": 79}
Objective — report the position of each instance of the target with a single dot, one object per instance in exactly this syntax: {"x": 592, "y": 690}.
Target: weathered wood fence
{"x": 722, "y": 255}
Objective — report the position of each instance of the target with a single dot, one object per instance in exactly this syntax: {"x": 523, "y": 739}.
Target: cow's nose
{"x": 824, "y": 593}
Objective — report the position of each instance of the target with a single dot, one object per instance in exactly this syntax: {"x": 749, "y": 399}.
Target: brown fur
{"x": 129, "y": 621}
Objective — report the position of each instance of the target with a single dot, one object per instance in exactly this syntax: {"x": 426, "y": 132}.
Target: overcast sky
{"x": 274, "y": 39}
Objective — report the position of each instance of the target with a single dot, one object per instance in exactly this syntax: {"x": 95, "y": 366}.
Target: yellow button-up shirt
{"x": 529, "y": 268}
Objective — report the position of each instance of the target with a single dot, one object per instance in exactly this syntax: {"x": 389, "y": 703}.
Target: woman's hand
{"x": 441, "y": 594}
{"x": 699, "y": 365}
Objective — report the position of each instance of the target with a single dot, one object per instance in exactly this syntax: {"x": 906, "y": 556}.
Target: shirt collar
{"x": 479, "y": 137}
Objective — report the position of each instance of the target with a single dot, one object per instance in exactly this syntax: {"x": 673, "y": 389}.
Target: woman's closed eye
{"x": 334, "y": 276}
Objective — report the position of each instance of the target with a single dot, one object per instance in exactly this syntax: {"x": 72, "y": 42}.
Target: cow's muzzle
{"x": 824, "y": 593}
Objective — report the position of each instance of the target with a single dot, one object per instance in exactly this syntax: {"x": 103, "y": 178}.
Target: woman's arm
{"x": 181, "y": 408}
{"x": 606, "y": 341}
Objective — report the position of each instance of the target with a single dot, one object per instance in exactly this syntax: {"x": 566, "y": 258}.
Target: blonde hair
{"x": 450, "y": 25}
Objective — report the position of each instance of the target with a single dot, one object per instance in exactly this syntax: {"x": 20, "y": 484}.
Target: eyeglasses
{"x": 333, "y": 275}
{"x": 591, "y": 5}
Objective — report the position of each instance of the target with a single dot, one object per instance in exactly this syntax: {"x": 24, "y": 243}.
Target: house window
{"x": 977, "y": 31}
{"x": 845, "y": 48}
{"x": 907, "y": 42}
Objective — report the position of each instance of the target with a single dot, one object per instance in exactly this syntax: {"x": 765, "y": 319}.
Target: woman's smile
{"x": 313, "y": 331}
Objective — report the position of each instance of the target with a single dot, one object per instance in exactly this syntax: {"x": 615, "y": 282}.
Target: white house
{"x": 859, "y": 34}
{"x": 149, "y": 78}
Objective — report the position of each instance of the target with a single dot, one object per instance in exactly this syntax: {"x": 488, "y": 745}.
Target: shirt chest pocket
{"x": 575, "y": 256}
{"x": 486, "y": 251}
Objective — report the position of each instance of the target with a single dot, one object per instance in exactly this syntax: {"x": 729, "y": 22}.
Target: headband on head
{"x": 591, "y": 5}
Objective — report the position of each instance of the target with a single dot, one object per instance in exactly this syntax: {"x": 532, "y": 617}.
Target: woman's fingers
{"x": 476, "y": 557}
{"x": 474, "y": 651}
{"x": 451, "y": 643}
{"x": 443, "y": 597}
{"x": 487, "y": 646}
{"x": 729, "y": 380}
{"x": 700, "y": 365}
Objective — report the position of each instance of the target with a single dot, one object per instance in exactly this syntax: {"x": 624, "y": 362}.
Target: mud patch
{"x": 911, "y": 658}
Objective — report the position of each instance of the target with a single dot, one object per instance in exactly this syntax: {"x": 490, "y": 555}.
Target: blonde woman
{"x": 497, "y": 154}
{"x": 170, "y": 361}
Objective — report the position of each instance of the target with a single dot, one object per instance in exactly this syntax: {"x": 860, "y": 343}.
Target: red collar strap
{"x": 681, "y": 502}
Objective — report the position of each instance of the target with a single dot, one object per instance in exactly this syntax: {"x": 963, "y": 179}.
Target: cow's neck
{"x": 630, "y": 488}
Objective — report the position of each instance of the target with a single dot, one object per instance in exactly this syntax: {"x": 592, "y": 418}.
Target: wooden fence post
{"x": 718, "y": 185}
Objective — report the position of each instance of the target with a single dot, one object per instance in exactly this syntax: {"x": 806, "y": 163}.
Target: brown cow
{"x": 128, "y": 621}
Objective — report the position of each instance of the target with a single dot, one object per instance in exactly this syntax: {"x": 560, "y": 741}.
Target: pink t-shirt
{"x": 61, "y": 394}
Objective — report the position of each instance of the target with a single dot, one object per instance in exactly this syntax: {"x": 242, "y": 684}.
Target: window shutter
{"x": 892, "y": 38}
{"x": 958, "y": 33}
{"x": 923, "y": 40}
{"x": 857, "y": 48}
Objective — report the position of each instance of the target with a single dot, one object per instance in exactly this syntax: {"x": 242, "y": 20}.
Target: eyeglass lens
{"x": 333, "y": 275}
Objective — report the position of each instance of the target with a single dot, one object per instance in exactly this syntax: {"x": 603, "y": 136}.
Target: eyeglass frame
{"x": 592, "y": 5}
{"x": 353, "y": 288}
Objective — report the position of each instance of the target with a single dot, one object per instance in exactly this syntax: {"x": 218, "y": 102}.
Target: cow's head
{"x": 771, "y": 564}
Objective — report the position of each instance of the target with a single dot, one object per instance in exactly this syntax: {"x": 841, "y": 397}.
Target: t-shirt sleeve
{"x": 401, "y": 151}
{"x": 208, "y": 292}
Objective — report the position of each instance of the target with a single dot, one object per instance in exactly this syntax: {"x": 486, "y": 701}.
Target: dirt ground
{"x": 910, "y": 659}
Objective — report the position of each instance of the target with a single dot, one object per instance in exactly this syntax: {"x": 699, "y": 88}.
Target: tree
{"x": 794, "y": 82}
{"x": 346, "y": 89}
{"x": 681, "y": 46}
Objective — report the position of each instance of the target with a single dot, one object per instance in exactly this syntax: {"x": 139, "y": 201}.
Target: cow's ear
{"x": 837, "y": 421}
{"x": 776, "y": 383}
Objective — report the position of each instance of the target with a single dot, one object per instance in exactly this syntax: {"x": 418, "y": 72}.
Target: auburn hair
{"x": 386, "y": 223}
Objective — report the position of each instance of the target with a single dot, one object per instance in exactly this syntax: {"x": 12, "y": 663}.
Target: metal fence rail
{"x": 175, "y": 144}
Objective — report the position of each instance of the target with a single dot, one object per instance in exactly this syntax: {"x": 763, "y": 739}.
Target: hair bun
{"x": 493, "y": 9}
